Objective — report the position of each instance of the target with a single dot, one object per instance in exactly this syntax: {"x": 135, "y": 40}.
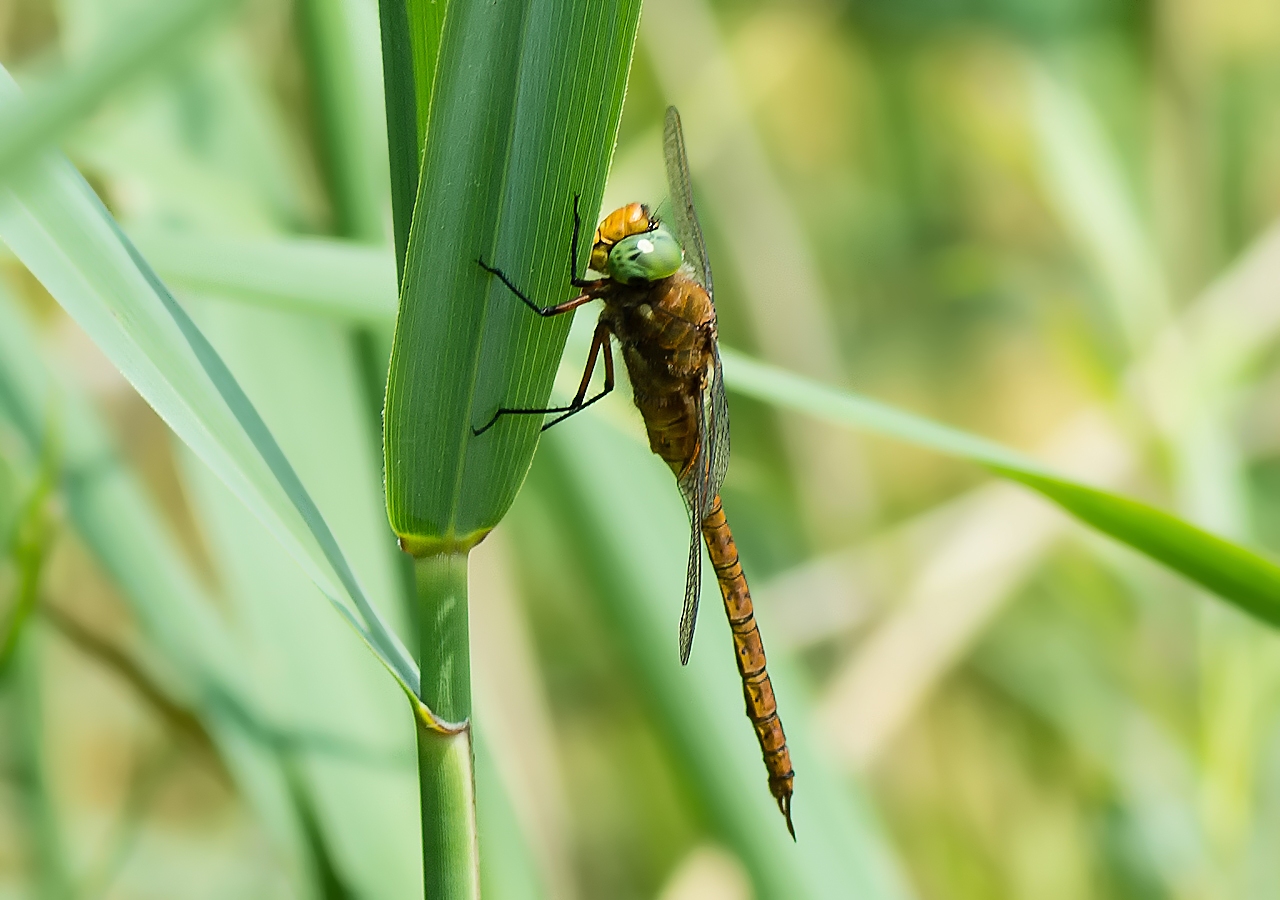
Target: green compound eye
{"x": 651, "y": 256}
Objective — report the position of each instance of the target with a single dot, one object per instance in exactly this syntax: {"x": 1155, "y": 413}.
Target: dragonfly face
{"x": 640, "y": 258}
{"x": 622, "y": 223}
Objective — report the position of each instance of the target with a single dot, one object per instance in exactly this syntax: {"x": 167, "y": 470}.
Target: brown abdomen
{"x": 762, "y": 708}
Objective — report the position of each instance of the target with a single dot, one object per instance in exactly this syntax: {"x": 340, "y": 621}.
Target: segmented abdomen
{"x": 762, "y": 709}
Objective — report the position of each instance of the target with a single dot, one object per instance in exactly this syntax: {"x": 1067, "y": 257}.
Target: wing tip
{"x": 673, "y": 136}
{"x": 686, "y": 642}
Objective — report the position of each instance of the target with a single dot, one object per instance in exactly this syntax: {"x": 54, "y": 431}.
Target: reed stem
{"x": 446, "y": 770}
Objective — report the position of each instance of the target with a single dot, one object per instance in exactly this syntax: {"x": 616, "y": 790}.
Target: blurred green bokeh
{"x": 1045, "y": 222}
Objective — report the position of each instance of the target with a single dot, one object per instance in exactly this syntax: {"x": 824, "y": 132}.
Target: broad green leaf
{"x": 521, "y": 111}
{"x": 55, "y": 224}
{"x": 28, "y": 124}
{"x": 510, "y": 142}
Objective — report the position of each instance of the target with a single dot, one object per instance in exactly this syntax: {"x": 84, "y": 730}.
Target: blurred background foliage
{"x": 1046, "y": 222}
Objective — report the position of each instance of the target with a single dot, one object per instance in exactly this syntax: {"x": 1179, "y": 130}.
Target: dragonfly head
{"x": 646, "y": 257}
{"x": 634, "y": 218}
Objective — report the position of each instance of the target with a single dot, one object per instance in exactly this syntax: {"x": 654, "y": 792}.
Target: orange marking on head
{"x": 634, "y": 218}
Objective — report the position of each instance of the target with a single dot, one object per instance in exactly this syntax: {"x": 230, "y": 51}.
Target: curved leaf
{"x": 525, "y": 109}
{"x": 1235, "y": 573}
{"x": 56, "y": 225}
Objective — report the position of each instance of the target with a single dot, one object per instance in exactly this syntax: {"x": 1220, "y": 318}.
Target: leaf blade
{"x": 56, "y": 225}
{"x": 509, "y": 144}
{"x": 1231, "y": 571}
{"x": 1225, "y": 568}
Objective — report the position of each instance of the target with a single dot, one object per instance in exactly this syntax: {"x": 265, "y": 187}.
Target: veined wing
{"x": 700, "y": 484}
{"x": 684, "y": 217}
{"x": 692, "y": 584}
{"x": 714, "y": 432}
{"x": 693, "y": 483}
{"x": 713, "y": 418}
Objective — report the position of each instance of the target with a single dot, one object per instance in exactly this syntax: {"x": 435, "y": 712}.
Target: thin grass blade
{"x": 56, "y": 225}
{"x": 112, "y": 513}
{"x": 1235, "y": 573}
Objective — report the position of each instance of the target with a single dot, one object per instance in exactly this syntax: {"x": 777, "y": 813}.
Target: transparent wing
{"x": 715, "y": 428}
{"x": 685, "y": 219}
{"x": 692, "y": 487}
{"x": 692, "y": 590}
{"x": 700, "y": 484}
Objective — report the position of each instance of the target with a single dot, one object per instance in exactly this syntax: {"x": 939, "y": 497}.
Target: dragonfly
{"x": 658, "y": 305}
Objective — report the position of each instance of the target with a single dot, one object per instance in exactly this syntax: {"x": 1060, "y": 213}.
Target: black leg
{"x": 573, "y": 249}
{"x": 599, "y": 344}
{"x": 559, "y": 308}
{"x": 545, "y": 311}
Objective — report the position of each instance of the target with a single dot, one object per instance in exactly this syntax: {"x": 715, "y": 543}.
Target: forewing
{"x": 701, "y": 481}
{"x": 685, "y": 219}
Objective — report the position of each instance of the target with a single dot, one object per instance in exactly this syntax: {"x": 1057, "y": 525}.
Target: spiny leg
{"x": 599, "y": 344}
